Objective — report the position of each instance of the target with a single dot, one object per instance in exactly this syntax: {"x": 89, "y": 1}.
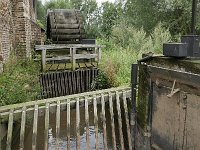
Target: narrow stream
{"x": 63, "y": 131}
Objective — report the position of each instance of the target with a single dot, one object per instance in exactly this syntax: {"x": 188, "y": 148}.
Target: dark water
{"x": 63, "y": 131}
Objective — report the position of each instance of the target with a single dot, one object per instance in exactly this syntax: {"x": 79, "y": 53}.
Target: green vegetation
{"x": 125, "y": 47}
{"x": 19, "y": 82}
{"x": 128, "y": 28}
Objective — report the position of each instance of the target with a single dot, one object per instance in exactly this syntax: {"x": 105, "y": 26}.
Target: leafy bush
{"x": 125, "y": 46}
{"x": 19, "y": 82}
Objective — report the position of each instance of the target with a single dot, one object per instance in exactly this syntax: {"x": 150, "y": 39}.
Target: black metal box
{"x": 175, "y": 49}
{"x": 193, "y": 44}
{"x": 88, "y": 41}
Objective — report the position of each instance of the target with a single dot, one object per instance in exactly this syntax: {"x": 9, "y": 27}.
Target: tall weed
{"x": 19, "y": 81}
{"x": 125, "y": 47}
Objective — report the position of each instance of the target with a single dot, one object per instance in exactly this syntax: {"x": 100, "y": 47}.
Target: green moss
{"x": 143, "y": 96}
{"x": 184, "y": 64}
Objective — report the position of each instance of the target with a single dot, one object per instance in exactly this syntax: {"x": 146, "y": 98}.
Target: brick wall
{"x": 5, "y": 30}
{"x": 19, "y": 30}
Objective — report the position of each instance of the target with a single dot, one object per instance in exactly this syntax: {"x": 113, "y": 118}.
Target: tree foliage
{"x": 99, "y": 20}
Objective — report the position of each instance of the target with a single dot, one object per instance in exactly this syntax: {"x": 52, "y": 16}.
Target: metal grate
{"x": 56, "y": 84}
{"x": 100, "y": 117}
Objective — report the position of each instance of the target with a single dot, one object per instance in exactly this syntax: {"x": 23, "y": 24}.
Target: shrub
{"x": 19, "y": 82}
{"x": 125, "y": 47}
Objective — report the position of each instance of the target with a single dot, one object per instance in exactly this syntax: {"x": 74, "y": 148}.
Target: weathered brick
{"x": 18, "y": 29}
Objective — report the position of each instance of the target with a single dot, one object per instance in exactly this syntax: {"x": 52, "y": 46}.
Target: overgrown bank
{"x": 125, "y": 46}
{"x": 19, "y": 81}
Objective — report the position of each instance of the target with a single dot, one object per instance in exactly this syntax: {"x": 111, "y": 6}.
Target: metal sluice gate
{"x": 92, "y": 120}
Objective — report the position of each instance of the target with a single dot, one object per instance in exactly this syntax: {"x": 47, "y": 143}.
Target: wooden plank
{"x": 44, "y": 60}
{"x": 10, "y": 130}
{"x": 58, "y": 125}
{"x": 87, "y": 124}
{"x": 35, "y": 125}
{"x": 96, "y": 122}
{"x": 58, "y": 58}
{"x": 77, "y": 125}
{"x": 46, "y": 130}
{"x": 22, "y": 130}
{"x": 68, "y": 124}
{"x": 85, "y": 56}
{"x": 66, "y": 47}
{"x": 104, "y": 122}
{"x": 119, "y": 121}
{"x": 112, "y": 121}
{"x": 127, "y": 121}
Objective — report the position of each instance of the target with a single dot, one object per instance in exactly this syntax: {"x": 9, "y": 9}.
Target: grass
{"x": 19, "y": 82}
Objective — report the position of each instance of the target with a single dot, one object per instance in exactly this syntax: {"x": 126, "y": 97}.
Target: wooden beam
{"x": 66, "y": 46}
{"x": 43, "y": 59}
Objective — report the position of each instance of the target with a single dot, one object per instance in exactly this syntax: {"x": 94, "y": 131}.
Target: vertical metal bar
{"x": 68, "y": 124}
{"x": 73, "y": 86}
{"x": 57, "y": 124}
{"x": 86, "y": 80}
{"x": 89, "y": 79}
{"x": 77, "y": 125}
{"x": 65, "y": 83}
{"x": 35, "y": 124}
{"x": 10, "y": 130}
{"x": 104, "y": 122}
{"x": 49, "y": 85}
{"x": 112, "y": 121}
{"x": 81, "y": 81}
{"x": 127, "y": 121}
{"x": 22, "y": 130}
{"x": 119, "y": 121}
{"x": 52, "y": 84}
{"x": 87, "y": 124}
{"x": 46, "y": 126}
{"x": 96, "y": 122}
{"x": 134, "y": 77}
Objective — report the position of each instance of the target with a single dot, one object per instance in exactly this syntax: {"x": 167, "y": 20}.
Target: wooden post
{"x": 127, "y": 121}
{"x": 10, "y": 129}
{"x": 35, "y": 126}
{"x": 99, "y": 55}
{"x": 73, "y": 59}
{"x": 104, "y": 122}
{"x": 46, "y": 126}
{"x": 22, "y": 130}
{"x": 44, "y": 59}
{"x": 87, "y": 124}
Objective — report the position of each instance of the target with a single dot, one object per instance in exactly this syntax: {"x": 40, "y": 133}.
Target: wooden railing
{"x": 91, "y": 51}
